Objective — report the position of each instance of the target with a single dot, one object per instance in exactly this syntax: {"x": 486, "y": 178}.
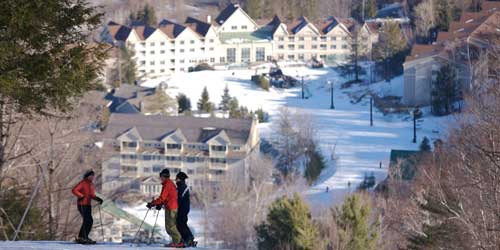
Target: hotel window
{"x": 152, "y": 63}
{"x": 315, "y": 46}
{"x": 344, "y": 38}
{"x": 191, "y": 50}
{"x": 211, "y": 40}
{"x": 172, "y": 42}
{"x": 243, "y": 27}
{"x": 162, "y": 51}
{"x": 322, "y": 57}
{"x": 333, "y": 47}
{"x": 192, "y": 41}
{"x": 291, "y": 39}
{"x": 181, "y": 42}
{"x": 162, "y": 44}
{"x": 301, "y": 46}
{"x": 344, "y": 46}
{"x": 181, "y": 50}
{"x": 143, "y": 62}
{"x": 151, "y": 44}
{"x": 162, "y": 62}
{"x": 152, "y": 71}
{"x": 322, "y": 46}
{"x": 334, "y": 38}
{"x": 260, "y": 54}
{"x": 301, "y": 38}
{"x": 218, "y": 148}
{"x": 291, "y": 47}
{"x": 212, "y": 60}
{"x": 181, "y": 61}
{"x": 143, "y": 52}
{"x": 152, "y": 52}
{"x": 245, "y": 54}
{"x": 315, "y": 38}
{"x": 231, "y": 55}
{"x": 234, "y": 27}
{"x": 162, "y": 70}
{"x": 143, "y": 44}
{"x": 301, "y": 56}
{"x": 142, "y": 71}
{"x": 323, "y": 38}
{"x": 173, "y": 146}
{"x": 281, "y": 38}
{"x": 211, "y": 49}
{"x": 281, "y": 46}
{"x": 222, "y": 59}
{"x": 291, "y": 57}
{"x": 281, "y": 56}
{"x": 172, "y": 60}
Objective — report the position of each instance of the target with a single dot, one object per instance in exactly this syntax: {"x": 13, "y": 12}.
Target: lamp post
{"x": 371, "y": 111}
{"x": 416, "y": 115}
{"x": 332, "y": 105}
{"x": 302, "y": 83}
{"x": 302, "y": 87}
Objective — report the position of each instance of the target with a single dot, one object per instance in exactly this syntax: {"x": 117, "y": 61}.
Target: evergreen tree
{"x": 353, "y": 222}
{"x": 128, "y": 65}
{"x": 443, "y": 10}
{"x": 315, "y": 164}
{"x": 445, "y": 90}
{"x": 226, "y": 99}
{"x": 425, "y": 145}
{"x": 184, "y": 103}
{"x": 146, "y": 15}
{"x": 234, "y": 108}
{"x": 204, "y": 104}
{"x": 288, "y": 226}
{"x": 253, "y": 8}
{"x": 370, "y": 9}
{"x": 352, "y": 66}
{"x": 390, "y": 50}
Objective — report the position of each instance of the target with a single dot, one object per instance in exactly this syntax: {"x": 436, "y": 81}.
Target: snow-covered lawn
{"x": 359, "y": 148}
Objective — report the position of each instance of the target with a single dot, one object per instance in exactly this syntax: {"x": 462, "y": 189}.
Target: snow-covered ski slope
{"x": 66, "y": 245}
{"x": 359, "y": 148}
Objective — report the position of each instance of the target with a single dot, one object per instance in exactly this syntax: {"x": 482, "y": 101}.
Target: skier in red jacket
{"x": 85, "y": 192}
{"x": 168, "y": 199}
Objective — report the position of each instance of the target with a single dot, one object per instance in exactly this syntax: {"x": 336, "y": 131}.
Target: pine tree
{"x": 226, "y": 98}
{"x": 370, "y": 9}
{"x": 425, "y": 145}
{"x": 233, "y": 105}
{"x": 443, "y": 11}
{"x": 184, "y": 103}
{"x": 445, "y": 90}
{"x": 315, "y": 164}
{"x": 288, "y": 226}
{"x": 128, "y": 65}
{"x": 390, "y": 50}
{"x": 253, "y": 8}
{"x": 160, "y": 103}
{"x": 204, "y": 104}
{"x": 353, "y": 222}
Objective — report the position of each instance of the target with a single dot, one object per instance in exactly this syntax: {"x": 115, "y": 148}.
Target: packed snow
{"x": 66, "y": 245}
{"x": 359, "y": 149}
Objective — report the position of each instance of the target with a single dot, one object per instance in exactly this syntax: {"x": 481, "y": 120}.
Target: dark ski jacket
{"x": 183, "y": 198}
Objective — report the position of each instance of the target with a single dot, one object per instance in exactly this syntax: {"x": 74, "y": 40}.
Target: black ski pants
{"x": 86, "y": 212}
{"x": 183, "y": 228}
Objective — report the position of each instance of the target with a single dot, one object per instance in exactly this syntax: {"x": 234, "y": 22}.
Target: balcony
{"x": 218, "y": 154}
{"x": 217, "y": 166}
{"x": 128, "y": 161}
{"x": 128, "y": 149}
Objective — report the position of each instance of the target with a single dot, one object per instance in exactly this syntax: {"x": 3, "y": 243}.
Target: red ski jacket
{"x": 84, "y": 190}
{"x": 168, "y": 196}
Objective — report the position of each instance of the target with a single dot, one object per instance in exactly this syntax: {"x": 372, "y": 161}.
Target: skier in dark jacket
{"x": 184, "y": 206}
{"x": 85, "y": 192}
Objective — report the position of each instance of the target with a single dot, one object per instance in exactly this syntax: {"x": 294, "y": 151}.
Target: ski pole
{"x": 135, "y": 237}
{"x": 154, "y": 225}
{"x": 102, "y": 227}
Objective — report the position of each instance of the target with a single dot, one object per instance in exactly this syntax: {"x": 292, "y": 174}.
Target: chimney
{"x": 209, "y": 19}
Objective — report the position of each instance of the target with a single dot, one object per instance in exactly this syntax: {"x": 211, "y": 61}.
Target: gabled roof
{"x": 122, "y": 33}
{"x": 423, "y": 50}
{"x": 144, "y": 31}
{"x": 226, "y": 13}
{"x": 298, "y": 24}
{"x": 171, "y": 29}
{"x": 131, "y": 134}
{"x": 195, "y": 129}
{"x": 197, "y": 26}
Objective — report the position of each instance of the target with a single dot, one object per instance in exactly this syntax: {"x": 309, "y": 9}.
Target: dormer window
{"x": 218, "y": 148}
{"x": 173, "y": 146}
{"x": 243, "y": 27}
{"x": 234, "y": 27}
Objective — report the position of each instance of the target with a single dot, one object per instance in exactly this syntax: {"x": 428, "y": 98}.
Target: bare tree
{"x": 424, "y": 18}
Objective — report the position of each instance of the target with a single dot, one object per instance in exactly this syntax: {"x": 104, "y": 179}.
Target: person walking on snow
{"x": 168, "y": 199}
{"x": 85, "y": 192}
{"x": 184, "y": 207}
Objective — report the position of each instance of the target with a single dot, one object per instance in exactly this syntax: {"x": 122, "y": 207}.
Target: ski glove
{"x": 149, "y": 205}
{"x": 99, "y": 200}
{"x": 81, "y": 198}
{"x": 158, "y": 207}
